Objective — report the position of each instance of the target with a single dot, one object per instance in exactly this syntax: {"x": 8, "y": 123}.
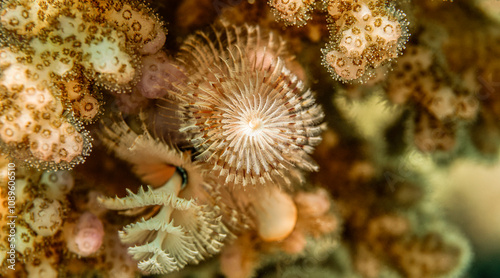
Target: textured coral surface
{"x": 249, "y": 138}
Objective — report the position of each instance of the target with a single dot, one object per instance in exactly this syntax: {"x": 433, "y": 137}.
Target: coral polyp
{"x": 49, "y": 78}
{"x": 365, "y": 35}
{"x": 244, "y": 111}
{"x": 292, "y": 12}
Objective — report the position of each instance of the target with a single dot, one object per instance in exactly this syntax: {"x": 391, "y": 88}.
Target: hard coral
{"x": 65, "y": 47}
{"x": 34, "y": 120}
{"x": 40, "y": 210}
{"x": 292, "y": 12}
{"x": 365, "y": 35}
{"x": 44, "y": 216}
{"x": 441, "y": 100}
{"x": 245, "y": 113}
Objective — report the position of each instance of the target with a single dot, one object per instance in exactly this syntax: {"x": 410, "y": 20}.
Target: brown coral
{"x": 365, "y": 35}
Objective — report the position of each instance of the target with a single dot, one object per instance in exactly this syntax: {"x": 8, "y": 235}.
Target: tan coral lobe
{"x": 292, "y": 12}
{"x": 365, "y": 35}
{"x": 244, "y": 111}
{"x": 53, "y": 54}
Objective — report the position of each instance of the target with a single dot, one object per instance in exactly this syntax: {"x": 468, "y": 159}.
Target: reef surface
{"x": 234, "y": 138}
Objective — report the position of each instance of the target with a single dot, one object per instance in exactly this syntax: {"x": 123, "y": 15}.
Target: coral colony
{"x": 225, "y": 135}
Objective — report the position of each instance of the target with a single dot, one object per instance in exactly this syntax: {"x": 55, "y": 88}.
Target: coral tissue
{"x": 366, "y": 34}
{"x": 242, "y": 146}
{"x": 46, "y": 80}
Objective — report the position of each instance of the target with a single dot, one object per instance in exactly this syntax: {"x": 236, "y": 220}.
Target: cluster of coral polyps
{"x": 440, "y": 100}
{"x": 52, "y": 55}
{"x": 45, "y": 222}
{"x": 293, "y": 12}
{"x": 38, "y": 204}
{"x": 390, "y": 227}
{"x": 364, "y": 34}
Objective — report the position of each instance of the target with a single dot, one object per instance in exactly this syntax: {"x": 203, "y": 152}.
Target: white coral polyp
{"x": 366, "y": 35}
{"x": 107, "y": 57}
{"x": 57, "y": 184}
{"x": 86, "y": 108}
{"x": 166, "y": 242}
{"x": 45, "y": 216}
{"x": 292, "y": 12}
{"x": 26, "y": 239}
